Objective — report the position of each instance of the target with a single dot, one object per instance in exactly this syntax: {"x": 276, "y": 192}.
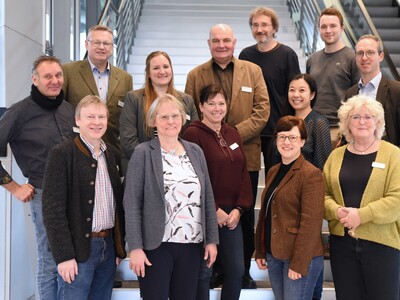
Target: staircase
{"x": 385, "y": 15}
{"x": 181, "y": 29}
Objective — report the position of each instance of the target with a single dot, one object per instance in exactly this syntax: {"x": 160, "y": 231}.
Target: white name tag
{"x": 121, "y": 103}
{"x": 187, "y": 117}
{"x": 246, "y": 89}
{"x": 378, "y": 165}
{"x": 76, "y": 129}
{"x": 234, "y": 146}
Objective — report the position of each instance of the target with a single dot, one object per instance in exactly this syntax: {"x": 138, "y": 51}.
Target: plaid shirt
{"x": 104, "y": 203}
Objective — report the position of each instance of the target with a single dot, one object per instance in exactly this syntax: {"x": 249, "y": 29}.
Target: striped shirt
{"x": 104, "y": 203}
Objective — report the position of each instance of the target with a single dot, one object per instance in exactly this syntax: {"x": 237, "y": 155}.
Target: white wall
{"x": 21, "y": 41}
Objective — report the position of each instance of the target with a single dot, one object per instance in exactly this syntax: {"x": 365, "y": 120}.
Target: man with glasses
{"x": 247, "y": 110}
{"x": 369, "y": 55}
{"x": 278, "y": 62}
{"x": 333, "y": 68}
{"x": 96, "y": 76}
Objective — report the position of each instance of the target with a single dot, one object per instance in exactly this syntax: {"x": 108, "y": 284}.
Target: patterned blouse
{"x": 182, "y": 200}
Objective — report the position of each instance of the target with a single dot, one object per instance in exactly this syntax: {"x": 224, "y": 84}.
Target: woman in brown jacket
{"x": 288, "y": 235}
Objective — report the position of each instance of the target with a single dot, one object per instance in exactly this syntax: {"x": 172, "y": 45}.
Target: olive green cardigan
{"x": 380, "y": 205}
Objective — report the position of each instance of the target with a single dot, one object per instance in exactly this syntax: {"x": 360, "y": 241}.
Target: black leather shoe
{"x": 117, "y": 283}
{"x": 216, "y": 280}
{"x": 248, "y": 282}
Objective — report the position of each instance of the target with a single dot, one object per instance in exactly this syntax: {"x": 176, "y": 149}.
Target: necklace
{"x": 363, "y": 151}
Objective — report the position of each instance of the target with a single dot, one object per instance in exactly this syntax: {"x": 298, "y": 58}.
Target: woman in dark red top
{"x": 230, "y": 180}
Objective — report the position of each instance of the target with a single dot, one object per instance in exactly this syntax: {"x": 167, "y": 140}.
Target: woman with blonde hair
{"x": 159, "y": 81}
{"x": 362, "y": 200}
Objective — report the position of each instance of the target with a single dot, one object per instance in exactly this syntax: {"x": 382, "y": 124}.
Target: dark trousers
{"x": 247, "y": 220}
{"x": 174, "y": 272}
{"x": 230, "y": 255}
{"x": 268, "y": 153}
{"x": 364, "y": 270}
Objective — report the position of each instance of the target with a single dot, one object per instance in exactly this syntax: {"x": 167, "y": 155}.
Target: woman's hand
{"x": 293, "y": 275}
{"x": 222, "y": 218}
{"x": 210, "y": 254}
{"x": 261, "y": 263}
{"x": 137, "y": 259}
{"x": 352, "y": 219}
{"x": 233, "y": 219}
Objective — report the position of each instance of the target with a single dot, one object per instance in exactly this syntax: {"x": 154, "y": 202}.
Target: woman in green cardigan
{"x": 362, "y": 205}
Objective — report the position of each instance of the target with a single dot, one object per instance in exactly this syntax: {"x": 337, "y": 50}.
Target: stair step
{"x": 392, "y": 34}
{"x": 386, "y": 22}
{"x": 230, "y": 2}
{"x": 377, "y": 2}
{"x": 199, "y": 7}
{"x": 130, "y": 290}
{"x": 381, "y": 11}
{"x": 199, "y": 19}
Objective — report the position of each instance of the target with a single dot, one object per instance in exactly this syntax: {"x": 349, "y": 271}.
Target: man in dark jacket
{"x": 32, "y": 127}
{"x": 82, "y": 207}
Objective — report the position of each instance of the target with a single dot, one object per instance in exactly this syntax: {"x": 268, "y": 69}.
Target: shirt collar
{"x": 103, "y": 146}
{"x": 94, "y": 68}
{"x": 374, "y": 81}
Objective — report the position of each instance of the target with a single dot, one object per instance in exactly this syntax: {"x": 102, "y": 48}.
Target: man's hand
{"x": 24, "y": 192}
{"x": 67, "y": 270}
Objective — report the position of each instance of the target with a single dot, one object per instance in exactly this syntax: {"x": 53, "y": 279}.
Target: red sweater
{"x": 226, "y": 164}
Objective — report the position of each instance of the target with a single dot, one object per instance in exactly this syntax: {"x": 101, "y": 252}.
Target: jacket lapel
{"x": 238, "y": 74}
{"x": 382, "y": 91}
{"x": 87, "y": 76}
{"x": 155, "y": 155}
{"x": 113, "y": 81}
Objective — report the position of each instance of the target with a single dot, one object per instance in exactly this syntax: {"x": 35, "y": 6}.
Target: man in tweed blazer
{"x": 248, "y": 111}
{"x": 96, "y": 76}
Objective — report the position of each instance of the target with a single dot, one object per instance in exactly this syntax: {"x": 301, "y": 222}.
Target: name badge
{"x": 378, "y": 165}
{"x": 121, "y": 103}
{"x": 187, "y": 117}
{"x": 76, "y": 129}
{"x": 246, "y": 89}
{"x": 234, "y": 146}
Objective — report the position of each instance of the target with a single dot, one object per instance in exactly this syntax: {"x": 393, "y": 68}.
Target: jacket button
{"x": 93, "y": 165}
{"x": 87, "y": 235}
{"x": 92, "y": 183}
{"x": 273, "y": 202}
{"x": 274, "y": 216}
{"x": 274, "y": 231}
{"x": 88, "y": 219}
{"x": 90, "y": 201}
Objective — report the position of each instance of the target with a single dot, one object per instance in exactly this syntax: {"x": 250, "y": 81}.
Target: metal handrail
{"x": 123, "y": 20}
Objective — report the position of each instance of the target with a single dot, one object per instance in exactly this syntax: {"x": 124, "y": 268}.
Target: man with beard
{"x": 278, "y": 62}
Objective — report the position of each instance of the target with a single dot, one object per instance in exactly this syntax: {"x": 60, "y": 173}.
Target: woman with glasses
{"x": 171, "y": 224}
{"x": 362, "y": 205}
{"x": 288, "y": 235}
{"x": 159, "y": 81}
{"x": 231, "y": 184}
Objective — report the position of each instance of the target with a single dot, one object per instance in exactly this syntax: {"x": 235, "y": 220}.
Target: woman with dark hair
{"x": 231, "y": 185}
{"x": 159, "y": 81}
{"x": 302, "y": 96}
{"x": 288, "y": 234}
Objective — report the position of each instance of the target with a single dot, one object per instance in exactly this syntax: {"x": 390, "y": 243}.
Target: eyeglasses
{"x": 165, "y": 118}
{"x": 281, "y": 138}
{"x": 262, "y": 25}
{"x": 369, "y": 53}
{"x": 367, "y": 118}
{"x": 97, "y": 44}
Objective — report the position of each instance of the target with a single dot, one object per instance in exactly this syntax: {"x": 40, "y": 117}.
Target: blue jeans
{"x": 95, "y": 277}
{"x": 230, "y": 255}
{"x": 46, "y": 274}
{"x": 285, "y": 288}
